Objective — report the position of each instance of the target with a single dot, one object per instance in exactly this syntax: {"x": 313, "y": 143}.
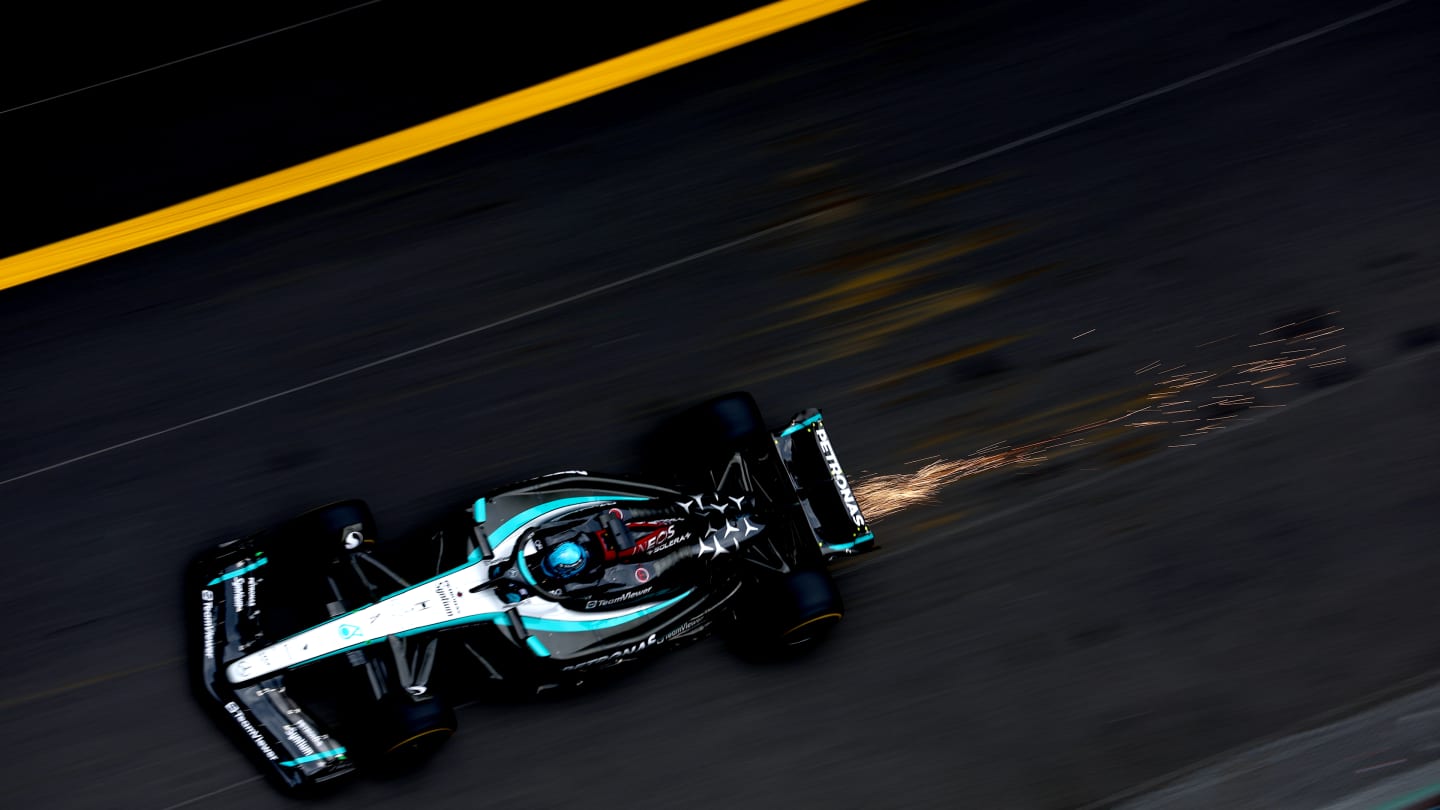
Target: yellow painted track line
{"x": 417, "y": 140}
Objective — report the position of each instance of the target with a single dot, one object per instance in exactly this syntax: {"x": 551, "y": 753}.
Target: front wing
{"x": 225, "y": 590}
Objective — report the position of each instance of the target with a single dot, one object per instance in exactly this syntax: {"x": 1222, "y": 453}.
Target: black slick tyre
{"x": 789, "y": 615}
{"x": 719, "y": 427}
{"x": 324, "y": 535}
{"x": 403, "y": 733}
{"x": 336, "y": 528}
{"x": 733, "y": 419}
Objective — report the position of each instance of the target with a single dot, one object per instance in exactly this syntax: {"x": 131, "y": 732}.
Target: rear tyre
{"x": 714, "y": 431}
{"x": 788, "y": 615}
{"x": 719, "y": 427}
{"x": 733, "y": 419}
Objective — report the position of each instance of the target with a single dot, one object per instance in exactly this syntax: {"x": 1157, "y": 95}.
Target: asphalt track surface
{"x": 1046, "y": 636}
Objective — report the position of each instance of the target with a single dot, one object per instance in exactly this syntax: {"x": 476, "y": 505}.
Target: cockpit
{"x": 600, "y": 558}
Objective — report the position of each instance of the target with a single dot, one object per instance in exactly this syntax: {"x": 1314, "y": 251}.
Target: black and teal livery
{"x": 325, "y": 651}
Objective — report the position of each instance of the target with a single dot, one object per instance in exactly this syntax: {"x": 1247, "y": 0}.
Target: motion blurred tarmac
{"x": 1125, "y": 602}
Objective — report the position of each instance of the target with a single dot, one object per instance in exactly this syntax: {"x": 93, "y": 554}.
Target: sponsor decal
{"x": 255, "y": 736}
{"x": 207, "y": 621}
{"x": 243, "y": 591}
{"x": 642, "y": 574}
{"x": 838, "y": 476}
{"x": 302, "y": 744}
{"x": 697, "y": 623}
{"x": 670, "y": 539}
{"x": 348, "y": 631}
{"x": 446, "y": 592}
{"x": 622, "y": 598}
{"x": 616, "y": 656}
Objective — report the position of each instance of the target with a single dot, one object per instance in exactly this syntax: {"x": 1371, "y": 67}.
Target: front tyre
{"x": 404, "y": 733}
{"x": 337, "y": 528}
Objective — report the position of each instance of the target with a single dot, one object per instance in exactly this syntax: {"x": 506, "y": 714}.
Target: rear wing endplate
{"x": 825, "y": 493}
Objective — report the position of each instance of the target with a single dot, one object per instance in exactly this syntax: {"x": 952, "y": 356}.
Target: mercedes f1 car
{"x": 324, "y": 651}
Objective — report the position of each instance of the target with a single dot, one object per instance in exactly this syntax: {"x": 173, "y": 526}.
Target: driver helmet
{"x": 565, "y": 560}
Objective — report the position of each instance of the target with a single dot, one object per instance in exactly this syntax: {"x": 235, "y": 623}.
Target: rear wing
{"x": 824, "y": 491}
{"x": 224, "y": 595}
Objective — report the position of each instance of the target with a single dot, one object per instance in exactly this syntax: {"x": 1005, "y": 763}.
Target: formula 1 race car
{"x": 323, "y": 649}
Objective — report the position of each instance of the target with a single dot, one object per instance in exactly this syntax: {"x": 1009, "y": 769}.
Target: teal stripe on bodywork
{"x": 237, "y": 572}
{"x": 853, "y": 543}
{"x": 513, "y": 524}
{"x": 505, "y": 529}
{"x": 801, "y": 426}
{"x": 332, "y": 753}
{"x": 543, "y": 625}
{"x": 546, "y": 625}
{"x": 1412, "y": 799}
{"x": 353, "y": 647}
{"x": 498, "y": 618}
{"x": 478, "y": 510}
{"x": 497, "y": 538}
{"x": 537, "y": 646}
{"x": 524, "y": 569}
